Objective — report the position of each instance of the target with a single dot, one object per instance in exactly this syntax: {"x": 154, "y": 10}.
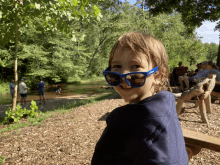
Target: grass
{"x": 73, "y": 80}
{"x": 5, "y": 101}
{"x": 42, "y": 116}
{"x": 93, "y": 79}
{"x": 1, "y": 159}
{"x": 4, "y": 88}
{"x": 84, "y": 89}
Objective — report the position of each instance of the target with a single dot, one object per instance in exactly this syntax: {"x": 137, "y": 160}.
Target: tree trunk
{"x": 218, "y": 59}
{"x": 150, "y": 15}
{"x": 143, "y": 4}
{"x": 16, "y": 66}
{"x": 80, "y": 30}
{"x": 100, "y": 43}
{"x": 15, "y": 69}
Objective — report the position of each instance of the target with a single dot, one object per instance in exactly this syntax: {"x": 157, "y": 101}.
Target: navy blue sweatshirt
{"x": 147, "y": 133}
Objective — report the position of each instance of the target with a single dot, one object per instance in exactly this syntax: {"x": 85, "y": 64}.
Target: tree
{"x": 194, "y": 12}
{"x": 55, "y": 14}
{"x": 212, "y": 51}
{"x": 59, "y": 58}
{"x": 218, "y": 28}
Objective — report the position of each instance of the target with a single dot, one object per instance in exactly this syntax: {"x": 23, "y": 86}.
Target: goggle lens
{"x": 112, "y": 78}
{"x": 136, "y": 79}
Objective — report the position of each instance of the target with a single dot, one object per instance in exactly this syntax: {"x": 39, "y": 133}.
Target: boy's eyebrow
{"x": 113, "y": 62}
{"x": 135, "y": 61}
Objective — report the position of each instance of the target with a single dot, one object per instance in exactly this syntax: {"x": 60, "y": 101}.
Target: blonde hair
{"x": 152, "y": 47}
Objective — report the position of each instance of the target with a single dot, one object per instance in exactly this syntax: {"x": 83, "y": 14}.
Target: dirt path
{"x": 52, "y": 104}
{"x": 70, "y": 139}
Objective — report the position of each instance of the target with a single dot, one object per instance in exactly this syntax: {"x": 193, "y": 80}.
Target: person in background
{"x": 23, "y": 92}
{"x": 58, "y": 91}
{"x": 12, "y": 91}
{"x": 178, "y": 71}
{"x": 193, "y": 73}
{"x": 215, "y": 94}
{"x": 189, "y": 81}
{"x": 198, "y": 67}
{"x": 146, "y": 131}
{"x": 41, "y": 91}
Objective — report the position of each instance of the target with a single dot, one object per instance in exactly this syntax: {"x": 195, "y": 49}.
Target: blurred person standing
{"x": 12, "y": 91}
{"x": 41, "y": 90}
{"x": 23, "y": 92}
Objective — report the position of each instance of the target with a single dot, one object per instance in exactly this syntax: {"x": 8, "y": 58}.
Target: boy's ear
{"x": 157, "y": 76}
{"x": 156, "y": 82}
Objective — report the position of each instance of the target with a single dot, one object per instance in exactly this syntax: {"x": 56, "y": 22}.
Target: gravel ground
{"x": 70, "y": 138}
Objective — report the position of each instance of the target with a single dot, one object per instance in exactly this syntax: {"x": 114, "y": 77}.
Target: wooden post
{"x": 208, "y": 104}
{"x": 192, "y": 150}
{"x": 200, "y": 93}
{"x": 203, "y": 111}
{"x": 196, "y": 104}
{"x": 179, "y": 106}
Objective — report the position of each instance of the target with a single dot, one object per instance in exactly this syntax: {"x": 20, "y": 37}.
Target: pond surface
{"x": 66, "y": 90}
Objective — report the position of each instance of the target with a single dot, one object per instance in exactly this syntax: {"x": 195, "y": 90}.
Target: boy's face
{"x": 204, "y": 66}
{"x": 125, "y": 61}
{"x": 209, "y": 67}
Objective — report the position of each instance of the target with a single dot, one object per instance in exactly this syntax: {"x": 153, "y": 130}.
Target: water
{"x": 66, "y": 90}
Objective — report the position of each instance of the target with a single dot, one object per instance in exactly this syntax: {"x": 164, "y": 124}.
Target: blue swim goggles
{"x": 133, "y": 79}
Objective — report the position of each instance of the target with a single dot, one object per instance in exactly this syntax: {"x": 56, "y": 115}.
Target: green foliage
{"x": 15, "y": 116}
{"x": 84, "y": 52}
{"x": 212, "y": 51}
{"x": 180, "y": 45}
{"x": 193, "y": 12}
{"x": 1, "y": 159}
{"x": 54, "y": 15}
{"x": 4, "y": 87}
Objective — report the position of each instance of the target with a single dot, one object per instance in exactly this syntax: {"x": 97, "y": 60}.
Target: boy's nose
{"x": 125, "y": 70}
{"x": 124, "y": 83}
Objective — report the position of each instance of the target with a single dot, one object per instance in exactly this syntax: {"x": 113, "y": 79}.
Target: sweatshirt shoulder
{"x": 159, "y": 105}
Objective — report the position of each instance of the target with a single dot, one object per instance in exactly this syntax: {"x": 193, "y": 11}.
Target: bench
{"x": 216, "y": 95}
{"x": 201, "y": 94}
{"x": 196, "y": 141}
{"x": 178, "y": 71}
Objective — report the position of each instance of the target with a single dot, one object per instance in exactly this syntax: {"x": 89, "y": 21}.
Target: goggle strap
{"x": 154, "y": 70}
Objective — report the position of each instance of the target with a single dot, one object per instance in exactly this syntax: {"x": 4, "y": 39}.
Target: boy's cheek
{"x": 115, "y": 88}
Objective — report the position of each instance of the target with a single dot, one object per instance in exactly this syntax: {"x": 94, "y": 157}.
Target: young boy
{"x": 41, "y": 90}
{"x": 58, "y": 91}
{"x": 147, "y": 130}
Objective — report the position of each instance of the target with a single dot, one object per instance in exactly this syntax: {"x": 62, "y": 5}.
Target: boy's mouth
{"x": 125, "y": 88}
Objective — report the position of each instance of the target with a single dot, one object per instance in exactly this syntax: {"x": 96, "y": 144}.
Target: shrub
{"x": 4, "y": 87}
{"x": 15, "y": 116}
